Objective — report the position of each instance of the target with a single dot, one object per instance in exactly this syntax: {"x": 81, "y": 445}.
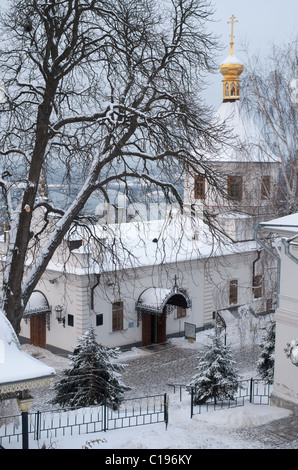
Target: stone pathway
{"x": 151, "y": 374}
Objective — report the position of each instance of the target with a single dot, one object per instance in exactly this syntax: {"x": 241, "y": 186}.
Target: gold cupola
{"x": 231, "y": 69}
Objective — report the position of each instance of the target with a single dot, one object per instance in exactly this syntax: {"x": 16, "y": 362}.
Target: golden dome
{"x": 231, "y": 69}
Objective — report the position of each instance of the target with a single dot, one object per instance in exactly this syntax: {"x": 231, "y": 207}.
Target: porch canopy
{"x": 37, "y": 305}
{"x": 154, "y": 300}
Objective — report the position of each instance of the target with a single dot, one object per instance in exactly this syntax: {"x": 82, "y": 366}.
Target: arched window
{"x": 227, "y": 89}
{"x": 233, "y": 89}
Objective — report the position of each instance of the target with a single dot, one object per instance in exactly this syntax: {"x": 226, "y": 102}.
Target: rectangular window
{"x": 70, "y": 320}
{"x": 181, "y": 312}
{"x": 269, "y": 306}
{"x": 199, "y": 187}
{"x": 257, "y": 286}
{"x": 99, "y": 319}
{"x": 265, "y": 188}
{"x": 233, "y": 293}
{"x": 235, "y": 188}
{"x": 117, "y": 316}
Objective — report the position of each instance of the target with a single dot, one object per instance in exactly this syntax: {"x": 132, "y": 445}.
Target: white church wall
{"x": 190, "y": 278}
{"x": 69, "y": 293}
{"x": 285, "y": 388}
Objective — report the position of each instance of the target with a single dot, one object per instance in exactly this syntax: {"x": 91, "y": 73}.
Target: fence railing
{"x": 256, "y": 391}
{"x": 58, "y": 423}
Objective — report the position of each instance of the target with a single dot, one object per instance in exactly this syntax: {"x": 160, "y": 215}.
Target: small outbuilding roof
{"x": 287, "y": 225}
{"x": 19, "y": 371}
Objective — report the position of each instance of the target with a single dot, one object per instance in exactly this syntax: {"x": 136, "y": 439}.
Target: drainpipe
{"x": 255, "y": 262}
{"x": 92, "y": 292}
{"x": 271, "y": 253}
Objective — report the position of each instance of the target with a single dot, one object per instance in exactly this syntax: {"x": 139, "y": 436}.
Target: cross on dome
{"x": 232, "y": 22}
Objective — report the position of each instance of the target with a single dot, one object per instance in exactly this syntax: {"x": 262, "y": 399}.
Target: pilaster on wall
{"x": 208, "y": 297}
{"x": 83, "y": 305}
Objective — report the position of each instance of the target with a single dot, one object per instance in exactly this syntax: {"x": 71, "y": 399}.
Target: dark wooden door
{"x": 146, "y": 329}
{"x": 154, "y": 328}
{"x": 162, "y": 327}
{"x": 38, "y": 331}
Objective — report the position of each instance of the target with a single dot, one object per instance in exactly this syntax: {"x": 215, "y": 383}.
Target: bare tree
{"x": 97, "y": 92}
{"x": 268, "y": 96}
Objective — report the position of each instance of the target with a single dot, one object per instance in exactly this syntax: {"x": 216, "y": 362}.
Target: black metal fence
{"x": 255, "y": 391}
{"x": 59, "y": 423}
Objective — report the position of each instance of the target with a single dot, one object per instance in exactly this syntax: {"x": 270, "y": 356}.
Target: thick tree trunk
{"x": 21, "y": 233}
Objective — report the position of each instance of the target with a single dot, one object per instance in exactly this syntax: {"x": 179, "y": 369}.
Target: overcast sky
{"x": 261, "y": 23}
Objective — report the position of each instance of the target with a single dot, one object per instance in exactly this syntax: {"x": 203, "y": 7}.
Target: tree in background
{"x": 268, "y": 96}
{"x": 216, "y": 377}
{"x": 95, "y": 93}
{"x": 265, "y": 365}
{"x": 93, "y": 377}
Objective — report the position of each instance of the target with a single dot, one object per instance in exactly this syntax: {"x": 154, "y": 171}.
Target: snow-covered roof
{"x": 246, "y": 139}
{"x": 284, "y": 225}
{"x": 150, "y": 243}
{"x": 18, "y": 370}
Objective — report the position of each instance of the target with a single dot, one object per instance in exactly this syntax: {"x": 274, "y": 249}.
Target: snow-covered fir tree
{"x": 217, "y": 376}
{"x": 265, "y": 364}
{"x": 93, "y": 377}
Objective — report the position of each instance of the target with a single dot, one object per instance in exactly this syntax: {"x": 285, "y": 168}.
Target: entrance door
{"x": 161, "y": 336}
{"x": 146, "y": 329}
{"x": 38, "y": 331}
{"x": 154, "y": 328}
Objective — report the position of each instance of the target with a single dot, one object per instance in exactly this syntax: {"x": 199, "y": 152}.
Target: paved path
{"x": 278, "y": 434}
{"x": 151, "y": 373}
{"x": 167, "y": 364}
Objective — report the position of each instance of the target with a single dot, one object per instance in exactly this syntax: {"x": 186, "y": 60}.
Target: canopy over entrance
{"x": 37, "y": 305}
{"x": 151, "y": 308}
{"x": 154, "y": 300}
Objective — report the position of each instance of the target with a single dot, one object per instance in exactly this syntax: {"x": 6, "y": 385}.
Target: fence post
{"x": 251, "y": 390}
{"x": 37, "y": 425}
{"x": 104, "y": 416}
{"x": 166, "y": 410}
{"x": 191, "y": 403}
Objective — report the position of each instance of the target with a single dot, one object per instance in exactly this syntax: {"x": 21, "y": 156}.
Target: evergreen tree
{"x": 265, "y": 365}
{"x": 93, "y": 377}
{"x": 217, "y": 377}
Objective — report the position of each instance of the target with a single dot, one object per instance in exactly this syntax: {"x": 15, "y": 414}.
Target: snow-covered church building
{"x": 170, "y": 276}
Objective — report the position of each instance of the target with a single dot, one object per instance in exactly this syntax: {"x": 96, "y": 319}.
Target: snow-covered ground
{"x": 221, "y": 429}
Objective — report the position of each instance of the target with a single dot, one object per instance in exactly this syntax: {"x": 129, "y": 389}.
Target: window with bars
{"x": 265, "y": 187}
{"x": 233, "y": 292}
{"x": 117, "y": 316}
{"x": 200, "y": 189}
{"x": 235, "y": 188}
